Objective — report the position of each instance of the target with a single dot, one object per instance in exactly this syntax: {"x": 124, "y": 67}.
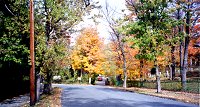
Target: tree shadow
{"x": 68, "y": 100}
{"x": 88, "y": 102}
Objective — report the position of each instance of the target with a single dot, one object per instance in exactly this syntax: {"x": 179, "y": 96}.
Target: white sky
{"x": 102, "y": 27}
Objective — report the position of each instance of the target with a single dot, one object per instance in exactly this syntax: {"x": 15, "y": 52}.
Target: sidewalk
{"x": 16, "y": 101}
{"x": 180, "y": 96}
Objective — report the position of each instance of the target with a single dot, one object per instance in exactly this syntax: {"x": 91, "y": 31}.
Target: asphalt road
{"x": 101, "y": 96}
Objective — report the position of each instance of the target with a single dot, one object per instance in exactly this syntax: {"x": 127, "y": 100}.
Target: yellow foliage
{"x": 87, "y": 53}
{"x": 133, "y": 74}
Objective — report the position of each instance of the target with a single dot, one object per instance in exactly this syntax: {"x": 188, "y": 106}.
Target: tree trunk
{"x": 141, "y": 73}
{"x": 170, "y": 67}
{"x": 185, "y": 64}
{"x": 47, "y": 88}
{"x": 38, "y": 79}
{"x": 158, "y": 85}
{"x": 185, "y": 57}
{"x": 173, "y": 65}
{"x": 47, "y": 23}
{"x": 90, "y": 80}
{"x": 181, "y": 60}
{"x": 81, "y": 72}
{"x": 124, "y": 64}
{"x": 141, "y": 66}
{"x": 124, "y": 69}
{"x": 48, "y": 83}
{"x": 121, "y": 47}
{"x": 181, "y": 43}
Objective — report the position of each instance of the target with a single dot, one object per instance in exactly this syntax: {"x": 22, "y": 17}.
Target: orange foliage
{"x": 193, "y": 51}
{"x": 132, "y": 62}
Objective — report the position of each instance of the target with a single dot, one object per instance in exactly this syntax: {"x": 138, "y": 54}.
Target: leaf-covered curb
{"x": 53, "y": 100}
{"x": 174, "y": 95}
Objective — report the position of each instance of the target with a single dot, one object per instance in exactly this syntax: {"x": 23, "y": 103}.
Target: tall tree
{"x": 117, "y": 38}
{"x": 14, "y": 43}
{"x": 192, "y": 8}
{"x": 87, "y": 53}
{"x": 55, "y": 19}
{"x": 14, "y": 29}
{"x": 150, "y": 30}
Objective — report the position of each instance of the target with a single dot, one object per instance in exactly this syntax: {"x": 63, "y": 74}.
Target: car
{"x": 100, "y": 78}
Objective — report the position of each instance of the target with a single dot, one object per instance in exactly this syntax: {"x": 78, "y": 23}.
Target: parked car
{"x": 100, "y": 78}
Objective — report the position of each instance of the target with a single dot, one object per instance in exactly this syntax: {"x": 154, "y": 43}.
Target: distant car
{"x": 100, "y": 78}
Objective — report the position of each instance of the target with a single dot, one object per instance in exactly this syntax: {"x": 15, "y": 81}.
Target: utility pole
{"x": 32, "y": 70}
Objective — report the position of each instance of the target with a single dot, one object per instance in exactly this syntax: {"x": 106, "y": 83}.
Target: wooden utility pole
{"x": 32, "y": 70}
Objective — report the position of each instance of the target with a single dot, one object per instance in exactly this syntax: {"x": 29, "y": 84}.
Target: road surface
{"x": 101, "y": 96}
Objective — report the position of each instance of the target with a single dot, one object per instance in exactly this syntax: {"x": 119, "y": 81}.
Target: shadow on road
{"x": 86, "y": 102}
{"x": 103, "y": 97}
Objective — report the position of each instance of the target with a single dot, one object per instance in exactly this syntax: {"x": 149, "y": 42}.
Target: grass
{"x": 192, "y": 85}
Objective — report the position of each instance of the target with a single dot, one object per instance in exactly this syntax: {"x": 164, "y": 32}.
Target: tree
{"x": 194, "y": 52}
{"x": 54, "y": 21}
{"x": 14, "y": 47}
{"x": 14, "y": 29}
{"x": 187, "y": 12}
{"x": 109, "y": 66}
{"x": 117, "y": 39}
{"x": 87, "y": 54}
{"x": 150, "y": 30}
{"x": 192, "y": 15}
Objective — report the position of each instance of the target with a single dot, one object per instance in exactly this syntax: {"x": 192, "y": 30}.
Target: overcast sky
{"x": 102, "y": 27}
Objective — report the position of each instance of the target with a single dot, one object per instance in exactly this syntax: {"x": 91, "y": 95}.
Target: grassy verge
{"x": 192, "y": 85}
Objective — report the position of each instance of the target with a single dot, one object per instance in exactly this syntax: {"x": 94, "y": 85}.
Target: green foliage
{"x": 14, "y": 48}
{"x": 54, "y": 20}
{"x": 14, "y": 33}
{"x": 135, "y": 84}
{"x": 152, "y": 29}
{"x": 52, "y": 58}
{"x": 74, "y": 80}
{"x": 113, "y": 80}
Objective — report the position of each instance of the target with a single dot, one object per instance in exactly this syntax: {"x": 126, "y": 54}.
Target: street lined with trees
{"x": 156, "y": 45}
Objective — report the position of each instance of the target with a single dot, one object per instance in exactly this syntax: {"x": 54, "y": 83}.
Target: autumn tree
{"x": 150, "y": 30}
{"x": 87, "y": 53}
{"x": 194, "y": 52}
{"x": 109, "y": 67}
{"x": 118, "y": 39}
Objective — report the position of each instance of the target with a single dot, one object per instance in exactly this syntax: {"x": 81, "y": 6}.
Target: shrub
{"x": 113, "y": 81}
{"x": 134, "y": 83}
